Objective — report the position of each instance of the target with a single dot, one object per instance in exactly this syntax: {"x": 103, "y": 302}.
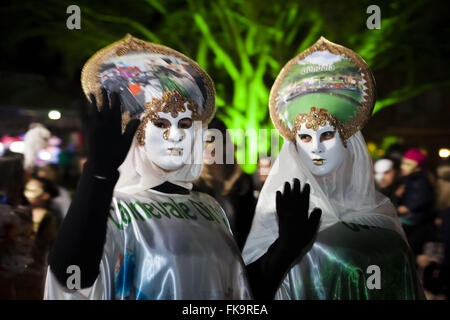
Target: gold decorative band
{"x": 319, "y": 117}
{"x": 172, "y": 102}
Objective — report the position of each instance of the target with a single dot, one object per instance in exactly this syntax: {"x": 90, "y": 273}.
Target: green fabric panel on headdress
{"x": 339, "y": 106}
{"x": 321, "y": 80}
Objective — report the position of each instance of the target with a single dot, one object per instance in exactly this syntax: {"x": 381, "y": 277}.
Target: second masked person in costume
{"x": 319, "y": 103}
{"x": 134, "y": 227}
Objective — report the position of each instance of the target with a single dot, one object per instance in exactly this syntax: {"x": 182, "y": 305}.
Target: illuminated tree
{"x": 244, "y": 43}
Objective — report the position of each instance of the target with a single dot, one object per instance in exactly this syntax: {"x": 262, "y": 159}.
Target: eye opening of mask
{"x": 185, "y": 123}
{"x": 305, "y": 138}
{"x": 171, "y": 103}
{"x": 327, "y": 135}
{"x": 161, "y": 123}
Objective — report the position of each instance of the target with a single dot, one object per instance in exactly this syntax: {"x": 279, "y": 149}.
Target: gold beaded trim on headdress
{"x": 172, "y": 102}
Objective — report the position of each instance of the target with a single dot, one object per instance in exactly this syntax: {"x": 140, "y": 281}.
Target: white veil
{"x": 138, "y": 173}
{"x": 346, "y": 195}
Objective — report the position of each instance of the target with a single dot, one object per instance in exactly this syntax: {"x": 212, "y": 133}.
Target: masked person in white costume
{"x": 319, "y": 103}
{"x": 134, "y": 229}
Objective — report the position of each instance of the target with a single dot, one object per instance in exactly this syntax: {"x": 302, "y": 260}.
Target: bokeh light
{"x": 54, "y": 115}
{"x": 444, "y": 153}
{"x": 17, "y": 146}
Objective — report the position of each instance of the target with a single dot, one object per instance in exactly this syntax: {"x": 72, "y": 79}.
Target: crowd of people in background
{"x": 422, "y": 197}
{"x": 32, "y": 207}
{"x": 29, "y": 224}
{"x": 33, "y": 202}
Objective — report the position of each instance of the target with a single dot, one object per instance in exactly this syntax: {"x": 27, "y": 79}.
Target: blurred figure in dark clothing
{"x": 415, "y": 206}
{"x": 434, "y": 265}
{"x": 60, "y": 204}
{"x": 39, "y": 193}
{"x": 27, "y": 233}
{"x": 16, "y": 243}
{"x": 443, "y": 202}
{"x": 260, "y": 176}
{"x": 395, "y": 152}
{"x": 42, "y": 227}
{"x": 227, "y": 182}
{"x": 387, "y": 178}
{"x": 12, "y": 180}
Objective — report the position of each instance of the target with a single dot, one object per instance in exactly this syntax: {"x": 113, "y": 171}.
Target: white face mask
{"x": 169, "y": 140}
{"x": 381, "y": 167}
{"x": 322, "y": 150}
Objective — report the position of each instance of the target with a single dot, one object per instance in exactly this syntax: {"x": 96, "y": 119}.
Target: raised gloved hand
{"x": 296, "y": 230}
{"x": 108, "y": 147}
{"x": 80, "y": 243}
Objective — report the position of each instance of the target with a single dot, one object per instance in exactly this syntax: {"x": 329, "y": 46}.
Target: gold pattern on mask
{"x": 173, "y": 103}
{"x": 166, "y": 134}
{"x": 319, "y": 117}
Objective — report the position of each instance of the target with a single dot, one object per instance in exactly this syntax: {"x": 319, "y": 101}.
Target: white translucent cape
{"x": 138, "y": 173}
{"x": 346, "y": 195}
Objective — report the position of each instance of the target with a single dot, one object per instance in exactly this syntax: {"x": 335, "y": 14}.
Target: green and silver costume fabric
{"x": 350, "y": 261}
{"x": 164, "y": 246}
{"x": 359, "y": 228}
{"x": 360, "y": 251}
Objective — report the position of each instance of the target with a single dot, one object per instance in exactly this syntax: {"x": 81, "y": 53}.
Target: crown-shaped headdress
{"x": 326, "y": 82}
{"x": 150, "y": 78}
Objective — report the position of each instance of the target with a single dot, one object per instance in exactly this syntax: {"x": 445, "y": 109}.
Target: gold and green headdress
{"x": 150, "y": 78}
{"x": 326, "y": 82}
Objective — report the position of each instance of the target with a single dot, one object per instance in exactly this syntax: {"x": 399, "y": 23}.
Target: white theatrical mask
{"x": 381, "y": 167}
{"x": 321, "y": 150}
{"x": 169, "y": 140}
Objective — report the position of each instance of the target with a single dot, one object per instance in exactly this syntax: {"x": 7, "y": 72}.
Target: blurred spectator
{"x": 60, "y": 204}
{"x": 16, "y": 247}
{"x": 228, "y": 184}
{"x": 415, "y": 206}
{"x": 387, "y": 178}
{"x": 28, "y": 228}
{"x": 39, "y": 193}
{"x": 12, "y": 180}
{"x": 443, "y": 220}
{"x": 35, "y": 139}
{"x": 260, "y": 176}
{"x": 395, "y": 152}
{"x": 16, "y": 242}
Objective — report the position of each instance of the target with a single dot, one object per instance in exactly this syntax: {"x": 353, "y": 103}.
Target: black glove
{"x": 295, "y": 229}
{"x": 296, "y": 232}
{"x": 82, "y": 235}
{"x": 108, "y": 147}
